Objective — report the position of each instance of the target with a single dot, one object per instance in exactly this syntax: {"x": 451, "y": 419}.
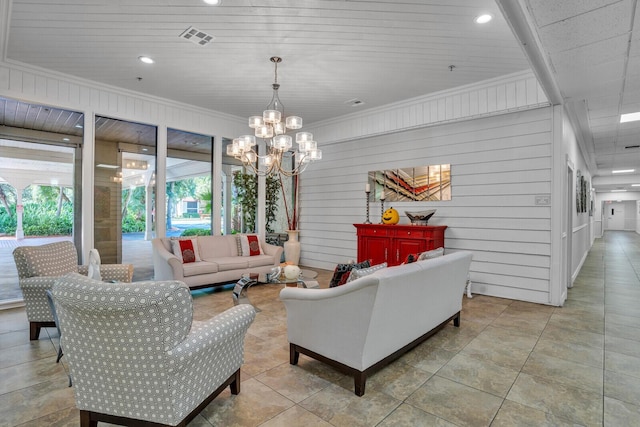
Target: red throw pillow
{"x": 188, "y": 254}
{"x": 345, "y": 278}
{"x": 254, "y": 245}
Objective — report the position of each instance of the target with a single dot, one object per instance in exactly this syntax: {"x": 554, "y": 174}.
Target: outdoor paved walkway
{"x": 136, "y": 252}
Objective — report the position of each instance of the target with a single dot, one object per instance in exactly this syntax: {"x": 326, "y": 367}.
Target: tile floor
{"x": 509, "y": 364}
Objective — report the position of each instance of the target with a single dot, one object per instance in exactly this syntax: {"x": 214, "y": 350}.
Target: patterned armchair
{"x": 39, "y": 267}
{"x": 137, "y": 358}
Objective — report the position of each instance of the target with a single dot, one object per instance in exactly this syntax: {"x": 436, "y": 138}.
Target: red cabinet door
{"x": 376, "y": 249}
{"x": 405, "y": 247}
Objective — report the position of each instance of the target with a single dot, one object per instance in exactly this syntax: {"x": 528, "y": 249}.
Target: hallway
{"x": 510, "y": 363}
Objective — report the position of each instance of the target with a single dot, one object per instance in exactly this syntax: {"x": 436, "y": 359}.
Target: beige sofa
{"x": 221, "y": 262}
{"x": 365, "y": 324}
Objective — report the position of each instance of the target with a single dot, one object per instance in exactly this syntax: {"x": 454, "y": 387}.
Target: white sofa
{"x": 221, "y": 261}
{"x": 365, "y": 324}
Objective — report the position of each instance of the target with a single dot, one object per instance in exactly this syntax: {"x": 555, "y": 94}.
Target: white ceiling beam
{"x": 520, "y": 21}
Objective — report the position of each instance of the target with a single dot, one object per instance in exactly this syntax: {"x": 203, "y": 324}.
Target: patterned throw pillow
{"x": 239, "y": 244}
{"x": 186, "y": 250}
{"x": 340, "y": 274}
{"x": 431, "y": 254}
{"x": 250, "y": 245}
{"x": 411, "y": 258}
{"x": 357, "y": 273}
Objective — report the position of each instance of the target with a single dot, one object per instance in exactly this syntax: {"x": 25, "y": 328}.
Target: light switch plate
{"x": 543, "y": 200}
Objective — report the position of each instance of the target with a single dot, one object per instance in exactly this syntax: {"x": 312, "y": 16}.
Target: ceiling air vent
{"x": 631, "y": 146}
{"x": 354, "y": 102}
{"x": 196, "y": 36}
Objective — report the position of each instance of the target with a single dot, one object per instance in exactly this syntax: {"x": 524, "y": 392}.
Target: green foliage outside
{"x": 196, "y": 232}
{"x": 133, "y": 210}
{"x": 186, "y": 188}
{"x": 133, "y": 224}
{"x": 47, "y": 211}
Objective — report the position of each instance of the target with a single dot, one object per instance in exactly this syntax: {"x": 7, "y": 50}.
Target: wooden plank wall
{"x": 498, "y": 165}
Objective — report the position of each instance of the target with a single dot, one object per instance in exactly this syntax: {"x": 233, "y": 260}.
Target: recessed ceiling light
{"x": 630, "y": 117}
{"x": 146, "y": 59}
{"x": 618, "y": 191}
{"x": 213, "y": 2}
{"x": 66, "y": 139}
{"x": 79, "y": 126}
{"x": 635, "y": 185}
{"x": 624, "y": 171}
{"x": 483, "y": 19}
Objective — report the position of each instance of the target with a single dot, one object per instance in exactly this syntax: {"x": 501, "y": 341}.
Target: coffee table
{"x": 241, "y": 289}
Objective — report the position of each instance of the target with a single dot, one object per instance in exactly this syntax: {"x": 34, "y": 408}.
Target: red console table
{"x": 393, "y": 243}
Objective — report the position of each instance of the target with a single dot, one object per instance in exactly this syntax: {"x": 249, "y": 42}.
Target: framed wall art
{"x": 421, "y": 183}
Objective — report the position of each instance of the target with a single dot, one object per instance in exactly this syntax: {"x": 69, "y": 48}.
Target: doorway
{"x": 567, "y": 228}
{"x": 620, "y": 215}
{"x": 124, "y": 193}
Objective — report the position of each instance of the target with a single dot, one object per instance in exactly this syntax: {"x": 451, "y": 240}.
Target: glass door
{"x": 124, "y": 193}
{"x": 40, "y": 175}
{"x": 188, "y": 187}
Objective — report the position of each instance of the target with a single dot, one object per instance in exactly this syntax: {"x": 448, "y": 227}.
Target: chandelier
{"x": 272, "y": 128}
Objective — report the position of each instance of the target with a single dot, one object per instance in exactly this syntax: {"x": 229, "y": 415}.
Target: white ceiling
{"x": 592, "y": 49}
{"x": 333, "y": 50}
{"x": 338, "y": 50}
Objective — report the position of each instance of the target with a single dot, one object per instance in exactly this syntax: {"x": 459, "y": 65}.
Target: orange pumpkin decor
{"x": 390, "y": 216}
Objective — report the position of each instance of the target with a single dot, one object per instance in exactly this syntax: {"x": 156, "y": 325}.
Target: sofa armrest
{"x": 117, "y": 272}
{"x": 333, "y": 322}
{"x": 34, "y": 290}
{"x": 216, "y": 347}
{"x": 111, "y": 272}
{"x": 166, "y": 266}
{"x": 273, "y": 250}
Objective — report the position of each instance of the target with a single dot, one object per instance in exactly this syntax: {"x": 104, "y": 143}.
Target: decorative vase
{"x": 292, "y": 248}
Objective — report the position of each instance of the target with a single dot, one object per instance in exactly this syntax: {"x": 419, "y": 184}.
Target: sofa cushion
{"x": 340, "y": 274}
{"x": 260, "y": 260}
{"x": 197, "y": 268}
{"x": 186, "y": 250}
{"x": 410, "y": 258}
{"x": 431, "y": 254}
{"x": 357, "y": 273}
{"x": 213, "y": 247}
{"x": 250, "y": 244}
{"x": 230, "y": 263}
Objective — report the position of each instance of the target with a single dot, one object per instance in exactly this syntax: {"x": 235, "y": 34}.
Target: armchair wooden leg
{"x": 34, "y": 331}
{"x": 86, "y": 421}
{"x": 35, "y": 327}
{"x": 235, "y": 385}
